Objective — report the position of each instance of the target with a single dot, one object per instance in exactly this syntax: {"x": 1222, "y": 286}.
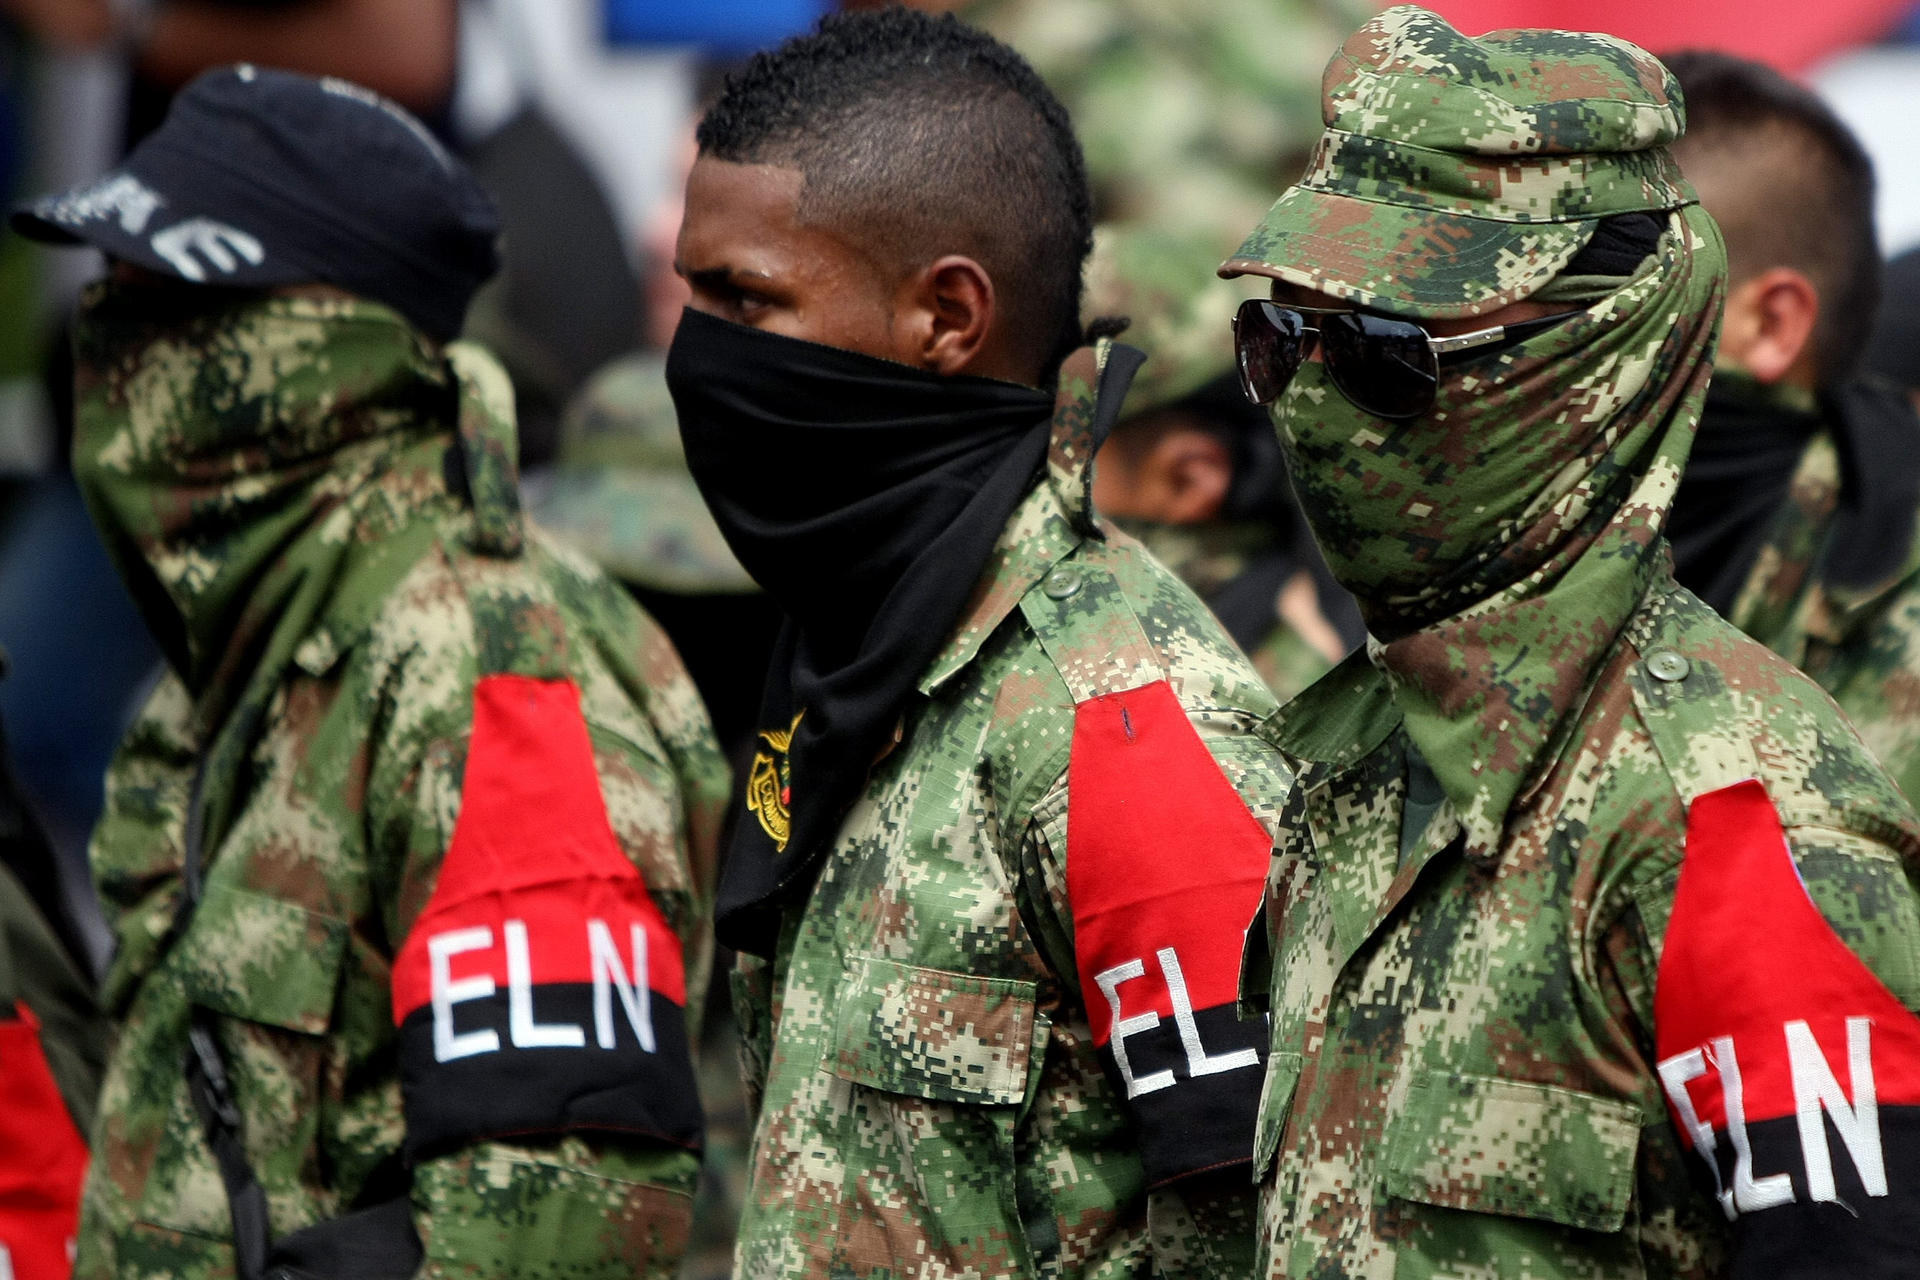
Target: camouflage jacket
{"x": 1861, "y": 643}
{"x": 992, "y": 960}
{"x": 1466, "y": 1073}
{"x": 421, "y": 878}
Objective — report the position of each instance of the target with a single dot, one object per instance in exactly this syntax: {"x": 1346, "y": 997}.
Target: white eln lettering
{"x": 1109, "y": 981}
{"x": 1199, "y": 1061}
{"x": 1675, "y": 1073}
{"x": 1749, "y": 1193}
{"x": 1815, "y": 1090}
{"x": 609, "y": 977}
{"x": 525, "y": 1032}
{"x": 217, "y": 242}
{"x": 441, "y": 948}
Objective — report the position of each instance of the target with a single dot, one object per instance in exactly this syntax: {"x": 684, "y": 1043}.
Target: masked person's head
{"x": 1792, "y": 190}
{"x": 289, "y": 257}
{"x": 1493, "y": 309}
{"x": 897, "y": 185}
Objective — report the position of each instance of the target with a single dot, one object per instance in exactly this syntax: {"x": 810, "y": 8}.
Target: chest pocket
{"x": 938, "y": 1067}
{"x": 262, "y": 959}
{"x": 933, "y": 1034}
{"x": 1544, "y": 1158}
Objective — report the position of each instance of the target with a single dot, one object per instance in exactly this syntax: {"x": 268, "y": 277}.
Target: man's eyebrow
{"x": 717, "y": 277}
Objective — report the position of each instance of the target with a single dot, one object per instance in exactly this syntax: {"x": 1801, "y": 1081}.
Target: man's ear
{"x": 1188, "y": 471}
{"x": 951, "y": 309}
{"x": 1769, "y": 327}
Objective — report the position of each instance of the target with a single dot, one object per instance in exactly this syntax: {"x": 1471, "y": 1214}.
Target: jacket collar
{"x": 1057, "y": 516}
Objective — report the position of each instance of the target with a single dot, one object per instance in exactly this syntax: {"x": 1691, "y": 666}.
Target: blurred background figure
{"x": 1191, "y": 122}
{"x": 1797, "y": 514}
{"x": 1193, "y": 470}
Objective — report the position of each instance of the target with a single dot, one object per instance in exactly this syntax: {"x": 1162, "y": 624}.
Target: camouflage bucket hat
{"x": 621, "y": 491}
{"x": 1456, "y": 175}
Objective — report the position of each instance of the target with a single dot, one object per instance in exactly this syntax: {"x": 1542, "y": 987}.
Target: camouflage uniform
{"x": 1502, "y": 1042}
{"x": 351, "y": 595}
{"x": 1861, "y": 642}
{"x": 930, "y": 1088}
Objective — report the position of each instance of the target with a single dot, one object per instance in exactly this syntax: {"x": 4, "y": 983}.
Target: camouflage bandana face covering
{"x": 1498, "y": 544}
{"x": 1525, "y": 450}
{"x": 225, "y": 442}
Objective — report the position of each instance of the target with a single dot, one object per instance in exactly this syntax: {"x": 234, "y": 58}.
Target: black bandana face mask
{"x": 866, "y": 497}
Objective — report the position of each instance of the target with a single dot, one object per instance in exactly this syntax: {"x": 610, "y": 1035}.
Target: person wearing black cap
{"x": 408, "y": 856}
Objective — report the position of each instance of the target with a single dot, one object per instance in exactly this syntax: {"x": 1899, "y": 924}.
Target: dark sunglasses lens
{"x": 1384, "y": 366}
{"x": 1268, "y": 343}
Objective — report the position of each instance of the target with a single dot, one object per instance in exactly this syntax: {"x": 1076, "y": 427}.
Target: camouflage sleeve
{"x": 1773, "y": 977}
{"x": 1129, "y": 874}
{"x": 540, "y": 992}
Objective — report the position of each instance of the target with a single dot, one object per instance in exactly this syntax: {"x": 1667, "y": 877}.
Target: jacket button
{"x": 1665, "y": 664}
{"x": 1062, "y": 583}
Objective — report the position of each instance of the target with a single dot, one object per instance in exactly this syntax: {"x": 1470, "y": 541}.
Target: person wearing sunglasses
{"x": 1588, "y": 937}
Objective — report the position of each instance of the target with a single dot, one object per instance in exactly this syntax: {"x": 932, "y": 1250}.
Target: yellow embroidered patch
{"x": 770, "y": 784}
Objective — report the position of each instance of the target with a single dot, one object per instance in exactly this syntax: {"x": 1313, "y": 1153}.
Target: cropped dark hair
{"x": 1799, "y": 191}
{"x": 923, "y": 136}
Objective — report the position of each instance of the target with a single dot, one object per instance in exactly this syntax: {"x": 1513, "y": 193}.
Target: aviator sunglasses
{"x": 1389, "y": 368}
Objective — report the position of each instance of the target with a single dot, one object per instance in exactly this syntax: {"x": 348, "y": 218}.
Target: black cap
{"x": 261, "y": 177}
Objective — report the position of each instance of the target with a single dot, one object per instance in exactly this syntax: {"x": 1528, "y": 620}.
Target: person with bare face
{"x": 1006, "y": 821}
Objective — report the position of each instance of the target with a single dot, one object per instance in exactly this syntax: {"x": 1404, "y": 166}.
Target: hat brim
{"x": 648, "y": 528}
{"x": 1395, "y": 258}
{"x": 137, "y": 217}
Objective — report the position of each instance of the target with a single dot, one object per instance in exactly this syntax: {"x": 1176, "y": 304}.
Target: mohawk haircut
{"x": 921, "y": 136}
{"x": 1791, "y": 186}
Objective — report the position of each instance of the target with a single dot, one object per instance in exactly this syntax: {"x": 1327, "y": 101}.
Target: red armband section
{"x": 43, "y": 1159}
{"x": 1789, "y": 1070}
{"x": 540, "y": 990}
{"x": 1165, "y": 867}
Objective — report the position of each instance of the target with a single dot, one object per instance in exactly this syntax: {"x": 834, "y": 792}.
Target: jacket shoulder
{"x": 1720, "y": 708}
{"x": 1111, "y": 618}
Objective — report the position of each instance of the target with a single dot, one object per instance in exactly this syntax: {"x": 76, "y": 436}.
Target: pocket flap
{"x": 1276, "y": 1104}
{"x": 928, "y": 1033}
{"x": 1527, "y": 1150}
{"x": 264, "y": 959}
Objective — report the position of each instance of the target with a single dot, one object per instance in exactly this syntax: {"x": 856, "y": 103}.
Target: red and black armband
{"x": 1791, "y": 1073}
{"x": 540, "y": 991}
{"x": 1165, "y": 867}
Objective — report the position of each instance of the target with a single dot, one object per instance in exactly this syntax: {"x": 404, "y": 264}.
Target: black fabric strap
{"x": 212, "y": 1094}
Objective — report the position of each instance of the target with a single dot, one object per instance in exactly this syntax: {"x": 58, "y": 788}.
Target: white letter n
{"x": 1815, "y": 1091}
{"x": 608, "y": 978}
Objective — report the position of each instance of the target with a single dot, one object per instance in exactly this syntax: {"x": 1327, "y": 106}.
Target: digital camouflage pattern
{"x": 333, "y": 556}
{"x": 1461, "y": 1078}
{"x": 1457, "y": 176}
{"x": 930, "y": 1097}
{"x": 1191, "y": 115}
{"x": 621, "y": 492}
{"x": 1860, "y": 642}
{"x": 1466, "y": 912}
{"x": 1209, "y": 557}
